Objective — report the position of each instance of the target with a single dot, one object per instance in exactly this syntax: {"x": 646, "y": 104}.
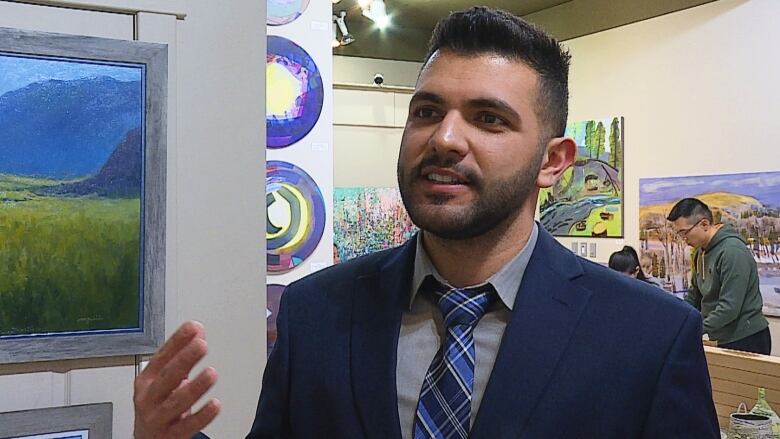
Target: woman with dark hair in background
{"x": 626, "y": 261}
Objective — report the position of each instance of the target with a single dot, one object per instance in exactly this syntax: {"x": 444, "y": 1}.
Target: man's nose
{"x": 450, "y": 135}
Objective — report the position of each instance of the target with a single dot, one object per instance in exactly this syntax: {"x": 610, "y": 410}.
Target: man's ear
{"x": 559, "y": 154}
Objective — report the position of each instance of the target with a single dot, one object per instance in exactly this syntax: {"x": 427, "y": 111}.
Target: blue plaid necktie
{"x": 444, "y": 408}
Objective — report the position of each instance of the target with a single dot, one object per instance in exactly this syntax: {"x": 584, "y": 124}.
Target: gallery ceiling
{"x": 412, "y": 21}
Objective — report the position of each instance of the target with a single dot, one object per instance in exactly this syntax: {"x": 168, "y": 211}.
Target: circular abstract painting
{"x": 281, "y": 12}
{"x": 295, "y": 216}
{"x": 294, "y": 93}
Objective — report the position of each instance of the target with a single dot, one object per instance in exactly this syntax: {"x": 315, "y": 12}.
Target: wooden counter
{"x": 736, "y": 377}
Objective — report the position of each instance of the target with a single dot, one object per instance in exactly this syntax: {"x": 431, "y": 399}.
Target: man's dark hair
{"x": 691, "y": 209}
{"x": 480, "y": 30}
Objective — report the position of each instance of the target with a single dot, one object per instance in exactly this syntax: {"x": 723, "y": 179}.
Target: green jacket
{"x": 724, "y": 287}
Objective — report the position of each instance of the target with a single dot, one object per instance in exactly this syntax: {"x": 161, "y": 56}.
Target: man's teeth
{"x": 443, "y": 178}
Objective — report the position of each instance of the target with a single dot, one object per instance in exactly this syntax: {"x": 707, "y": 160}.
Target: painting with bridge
{"x": 588, "y": 198}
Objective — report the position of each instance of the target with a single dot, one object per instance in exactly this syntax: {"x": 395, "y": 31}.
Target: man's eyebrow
{"x": 427, "y": 96}
{"x": 496, "y": 104}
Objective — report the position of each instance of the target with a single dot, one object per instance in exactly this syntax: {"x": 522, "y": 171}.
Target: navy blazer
{"x": 588, "y": 353}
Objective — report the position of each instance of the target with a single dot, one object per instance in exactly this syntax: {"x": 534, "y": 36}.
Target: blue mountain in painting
{"x": 66, "y": 129}
{"x": 119, "y": 177}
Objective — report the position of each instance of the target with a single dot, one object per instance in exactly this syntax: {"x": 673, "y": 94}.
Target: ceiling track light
{"x": 334, "y": 43}
{"x": 346, "y": 37}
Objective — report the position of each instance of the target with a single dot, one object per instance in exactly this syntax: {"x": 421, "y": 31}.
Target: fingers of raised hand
{"x": 183, "y": 428}
{"x": 175, "y": 409}
{"x": 194, "y": 423}
{"x": 175, "y": 371}
{"x": 180, "y": 402}
{"x": 175, "y": 343}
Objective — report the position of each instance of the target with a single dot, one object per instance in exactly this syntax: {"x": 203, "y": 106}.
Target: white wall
{"x": 699, "y": 91}
{"x": 366, "y": 136}
{"x": 355, "y": 70}
{"x": 220, "y": 184}
{"x": 216, "y": 153}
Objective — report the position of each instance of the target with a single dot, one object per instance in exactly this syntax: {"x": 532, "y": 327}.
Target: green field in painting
{"x": 66, "y": 263}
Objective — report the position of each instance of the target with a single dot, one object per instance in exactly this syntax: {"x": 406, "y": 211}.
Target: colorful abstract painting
{"x": 295, "y": 216}
{"x": 71, "y": 161}
{"x": 366, "y": 220}
{"x": 281, "y": 12}
{"x": 588, "y": 198}
{"x": 294, "y": 93}
{"x": 749, "y": 202}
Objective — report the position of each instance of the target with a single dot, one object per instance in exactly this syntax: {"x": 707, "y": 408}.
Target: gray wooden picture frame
{"x": 149, "y": 336}
{"x": 95, "y": 418}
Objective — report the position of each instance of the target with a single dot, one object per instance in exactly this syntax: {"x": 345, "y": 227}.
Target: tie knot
{"x": 464, "y": 306}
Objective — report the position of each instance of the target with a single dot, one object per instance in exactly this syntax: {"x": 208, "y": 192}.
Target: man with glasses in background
{"x": 724, "y": 280}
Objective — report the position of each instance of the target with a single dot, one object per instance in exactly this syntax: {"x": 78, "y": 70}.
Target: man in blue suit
{"x": 481, "y": 326}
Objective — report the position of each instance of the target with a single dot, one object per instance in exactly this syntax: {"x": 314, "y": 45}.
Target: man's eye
{"x": 424, "y": 112}
{"x": 490, "y": 119}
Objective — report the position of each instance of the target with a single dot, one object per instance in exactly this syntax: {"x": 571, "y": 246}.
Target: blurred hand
{"x": 163, "y": 396}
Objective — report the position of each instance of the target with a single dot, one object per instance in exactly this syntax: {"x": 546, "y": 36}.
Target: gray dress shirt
{"x": 422, "y": 331}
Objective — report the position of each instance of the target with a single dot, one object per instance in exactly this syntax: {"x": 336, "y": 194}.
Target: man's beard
{"x": 496, "y": 201}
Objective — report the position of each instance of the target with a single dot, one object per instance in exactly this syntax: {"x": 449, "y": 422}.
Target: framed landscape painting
{"x": 588, "y": 198}
{"x": 749, "y": 202}
{"x": 82, "y": 196}
{"x": 89, "y": 421}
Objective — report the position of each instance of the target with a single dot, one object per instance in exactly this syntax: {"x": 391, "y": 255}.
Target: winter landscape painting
{"x": 588, "y": 198}
{"x": 750, "y": 202}
{"x": 71, "y": 155}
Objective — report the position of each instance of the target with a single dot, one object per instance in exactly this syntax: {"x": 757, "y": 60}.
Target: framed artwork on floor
{"x": 82, "y": 196}
{"x": 89, "y": 421}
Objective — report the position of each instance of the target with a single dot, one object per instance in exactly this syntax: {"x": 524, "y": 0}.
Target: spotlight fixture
{"x": 376, "y": 11}
{"x": 334, "y": 43}
{"x": 346, "y": 37}
{"x": 335, "y": 1}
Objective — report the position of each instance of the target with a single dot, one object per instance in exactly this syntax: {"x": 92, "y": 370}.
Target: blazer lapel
{"x": 545, "y": 314}
{"x": 379, "y": 299}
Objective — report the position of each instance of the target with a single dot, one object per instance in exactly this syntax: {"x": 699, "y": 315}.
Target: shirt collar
{"x": 506, "y": 281}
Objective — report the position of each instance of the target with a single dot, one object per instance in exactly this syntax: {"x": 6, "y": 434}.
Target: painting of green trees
{"x": 588, "y": 198}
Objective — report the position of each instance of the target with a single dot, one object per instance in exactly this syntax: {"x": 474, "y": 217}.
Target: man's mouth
{"x": 445, "y": 179}
{"x": 443, "y": 175}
